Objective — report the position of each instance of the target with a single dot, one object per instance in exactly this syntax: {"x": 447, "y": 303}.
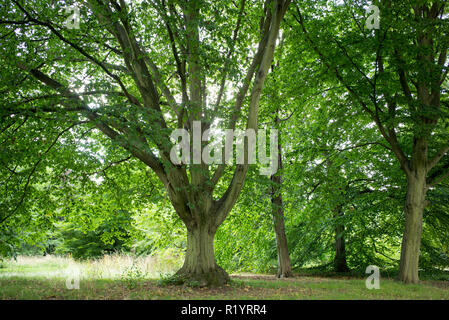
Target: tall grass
{"x": 114, "y": 266}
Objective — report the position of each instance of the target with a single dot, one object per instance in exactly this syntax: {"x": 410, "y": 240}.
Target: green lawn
{"x": 45, "y": 279}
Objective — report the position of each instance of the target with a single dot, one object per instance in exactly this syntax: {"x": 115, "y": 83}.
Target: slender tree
{"x": 340, "y": 264}
{"x": 284, "y": 267}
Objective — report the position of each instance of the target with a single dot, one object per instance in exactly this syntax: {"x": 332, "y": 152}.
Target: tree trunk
{"x": 199, "y": 264}
{"x": 411, "y": 241}
{"x": 340, "y": 264}
{"x": 284, "y": 267}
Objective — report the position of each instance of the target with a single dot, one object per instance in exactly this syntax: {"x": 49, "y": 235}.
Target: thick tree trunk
{"x": 411, "y": 242}
{"x": 340, "y": 264}
{"x": 199, "y": 264}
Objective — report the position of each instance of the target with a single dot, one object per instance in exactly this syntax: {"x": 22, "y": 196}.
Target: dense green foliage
{"x": 111, "y": 235}
{"x": 65, "y": 188}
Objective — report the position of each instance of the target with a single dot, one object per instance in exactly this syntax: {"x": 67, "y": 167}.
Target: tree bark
{"x": 411, "y": 241}
{"x": 284, "y": 267}
{"x": 340, "y": 264}
{"x": 199, "y": 264}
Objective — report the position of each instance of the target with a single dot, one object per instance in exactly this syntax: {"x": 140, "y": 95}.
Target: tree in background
{"x": 398, "y": 76}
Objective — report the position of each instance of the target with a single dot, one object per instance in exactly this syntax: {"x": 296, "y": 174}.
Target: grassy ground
{"x": 122, "y": 277}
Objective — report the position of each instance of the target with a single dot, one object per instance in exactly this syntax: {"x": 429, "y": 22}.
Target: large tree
{"x": 397, "y": 74}
{"x": 135, "y": 71}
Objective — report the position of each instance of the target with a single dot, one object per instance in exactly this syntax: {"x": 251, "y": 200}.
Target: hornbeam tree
{"x": 135, "y": 71}
{"x": 397, "y": 74}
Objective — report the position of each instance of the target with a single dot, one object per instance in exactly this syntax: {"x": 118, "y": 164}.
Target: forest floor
{"x": 46, "y": 278}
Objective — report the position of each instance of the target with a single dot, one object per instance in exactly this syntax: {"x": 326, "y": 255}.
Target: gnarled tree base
{"x": 214, "y": 278}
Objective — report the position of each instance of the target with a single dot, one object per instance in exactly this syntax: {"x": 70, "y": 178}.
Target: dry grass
{"x": 114, "y": 266}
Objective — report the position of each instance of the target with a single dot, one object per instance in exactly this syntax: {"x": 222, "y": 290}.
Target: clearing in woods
{"x": 122, "y": 277}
